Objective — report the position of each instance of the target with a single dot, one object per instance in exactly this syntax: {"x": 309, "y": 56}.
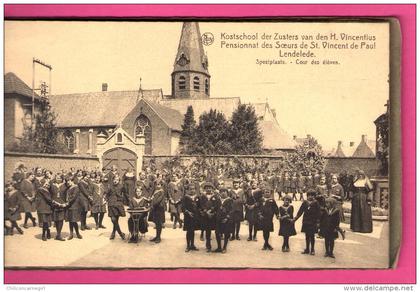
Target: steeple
{"x": 190, "y": 77}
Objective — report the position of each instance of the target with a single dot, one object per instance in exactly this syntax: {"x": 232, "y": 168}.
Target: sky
{"x": 330, "y": 102}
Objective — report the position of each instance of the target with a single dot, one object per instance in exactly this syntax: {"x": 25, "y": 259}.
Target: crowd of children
{"x": 197, "y": 200}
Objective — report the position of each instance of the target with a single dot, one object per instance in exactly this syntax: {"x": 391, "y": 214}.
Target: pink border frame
{"x": 406, "y": 269}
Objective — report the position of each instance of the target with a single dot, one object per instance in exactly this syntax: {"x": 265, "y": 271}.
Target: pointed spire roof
{"x": 191, "y": 55}
{"x": 340, "y": 152}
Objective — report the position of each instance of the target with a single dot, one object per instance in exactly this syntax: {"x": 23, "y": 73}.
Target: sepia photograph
{"x": 228, "y": 144}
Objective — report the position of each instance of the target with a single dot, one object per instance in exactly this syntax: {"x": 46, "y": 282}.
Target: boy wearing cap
{"x": 209, "y": 204}
{"x": 190, "y": 204}
{"x": 310, "y": 210}
{"x": 224, "y": 222}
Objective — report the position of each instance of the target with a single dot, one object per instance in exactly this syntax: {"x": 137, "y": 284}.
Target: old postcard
{"x": 197, "y": 144}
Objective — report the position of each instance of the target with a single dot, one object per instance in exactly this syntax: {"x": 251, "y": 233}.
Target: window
{"x": 181, "y": 83}
{"x": 119, "y": 138}
{"x": 144, "y": 127}
{"x": 206, "y": 87}
{"x": 27, "y": 118}
{"x": 69, "y": 140}
{"x": 196, "y": 83}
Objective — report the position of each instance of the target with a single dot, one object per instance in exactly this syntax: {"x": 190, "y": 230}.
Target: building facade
{"x": 150, "y": 114}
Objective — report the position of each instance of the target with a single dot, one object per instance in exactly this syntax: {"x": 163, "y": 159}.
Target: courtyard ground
{"x": 95, "y": 250}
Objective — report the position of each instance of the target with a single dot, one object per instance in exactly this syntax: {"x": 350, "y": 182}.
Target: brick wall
{"x": 334, "y": 164}
{"x": 53, "y": 162}
{"x": 161, "y": 133}
{"x": 56, "y": 162}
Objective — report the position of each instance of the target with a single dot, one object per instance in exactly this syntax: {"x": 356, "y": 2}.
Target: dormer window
{"x": 182, "y": 60}
{"x": 181, "y": 82}
{"x": 196, "y": 81}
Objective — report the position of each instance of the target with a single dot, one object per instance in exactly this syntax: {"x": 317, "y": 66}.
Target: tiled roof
{"x": 275, "y": 137}
{"x": 104, "y": 108}
{"x": 225, "y": 105}
{"x": 259, "y": 109}
{"x": 173, "y": 118}
{"x": 13, "y": 84}
{"x": 364, "y": 150}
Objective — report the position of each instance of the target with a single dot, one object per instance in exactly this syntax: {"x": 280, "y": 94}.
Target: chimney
{"x": 340, "y": 143}
{"x": 104, "y": 86}
{"x": 308, "y": 136}
{"x": 274, "y": 112}
{"x": 294, "y": 137}
{"x": 364, "y": 138}
{"x": 351, "y": 144}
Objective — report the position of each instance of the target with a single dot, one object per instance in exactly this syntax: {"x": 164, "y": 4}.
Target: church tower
{"x": 190, "y": 77}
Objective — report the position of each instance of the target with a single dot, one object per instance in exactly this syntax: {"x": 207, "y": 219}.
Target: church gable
{"x": 157, "y": 124}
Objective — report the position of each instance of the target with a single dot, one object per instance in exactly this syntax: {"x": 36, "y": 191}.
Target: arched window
{"x": 69, "y": 140}
{"x": 181, "y": 82}
{"x": 144, "y": 127}
{"x": 207, "y": 87}
{"x": 196, "y": 83}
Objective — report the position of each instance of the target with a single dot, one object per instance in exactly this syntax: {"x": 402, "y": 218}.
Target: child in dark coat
{"x": 252, "y": 204}
{"x": 310, "y": 210}
{"x": 224, "y": 220}
{"x": 115, "y": 200}
{"x": 72, "y": 214}
{"x": 58, "y": 194}
{"x": 209, "y": 204}
{"x": 329, "y": 225}
{"x": 190, "y": 204}
{"x": 238, "y": 196}
{"x": 287, "y": 225}
{"x": 11, "y": 208}
{"x": 27, "y": 199}
{"x": 266, "y": 213}
{"x": 157, "y": 212}
{"x": 44, "y": 205}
